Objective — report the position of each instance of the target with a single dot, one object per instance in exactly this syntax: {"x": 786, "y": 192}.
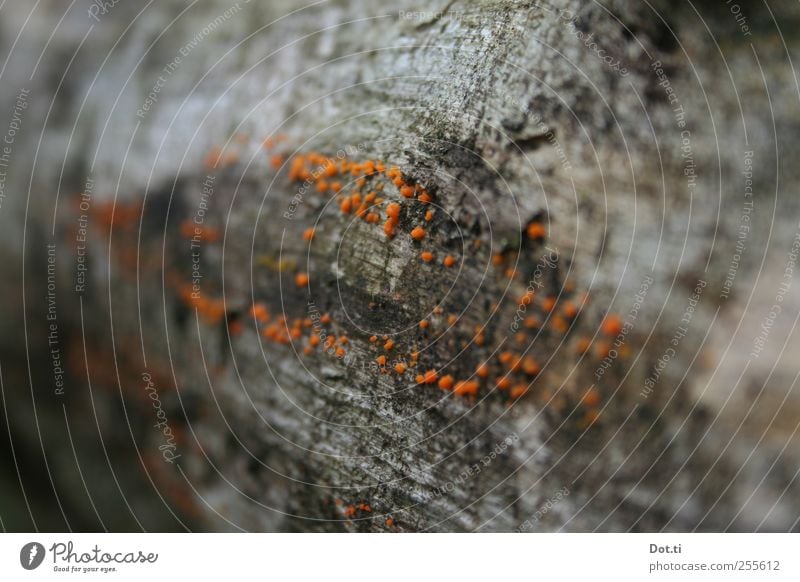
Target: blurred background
{"x": 120, "y": 119}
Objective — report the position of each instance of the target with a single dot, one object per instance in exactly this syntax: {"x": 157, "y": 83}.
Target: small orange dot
{"x": 503, "y": 383}
{"x": 612, "y": 325}
{"x": 424, "y": 324}
{"x": 592, "y": 398}
{"x": 235, "y": 327}
{"x": 400, "y": 369}
{"x": 591, "y": 417}
{"x": 528, "y": 298}
{"x": 530, "y": 367}
{"x": 431, "y": 376}
{"x": 466, "y": 387}
{"x": 536, "y": 231}
{"x": 446, "y": 382}
{"x": 418, "y": 233}
{"x": 559, "y": 324}
{"x": 388, "y": 345}
{"x": 308, "y": 234}
{"x": 426, "y": 256}
{"x": 532, "y": 322}
{"x": 518, "y": 390}
{"x": 301, "y": 279}
{"x": 449, "y": 261}
{"x": 259, "y": 312}
{"x": 570, "y": 310}
{"x": 381, "y": 360}
{"x": 602, "y": 349}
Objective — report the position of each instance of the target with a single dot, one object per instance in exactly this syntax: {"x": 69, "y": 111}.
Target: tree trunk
{"x": 594, "y": 154}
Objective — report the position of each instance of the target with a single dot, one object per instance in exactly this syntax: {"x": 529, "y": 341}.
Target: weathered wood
{"x": 506, "y": 112}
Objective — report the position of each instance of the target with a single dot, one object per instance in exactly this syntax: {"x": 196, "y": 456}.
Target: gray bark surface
{"x": 507, "y": 116}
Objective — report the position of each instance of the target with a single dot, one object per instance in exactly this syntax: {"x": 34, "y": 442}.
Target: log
{"x": 610, "y": 180}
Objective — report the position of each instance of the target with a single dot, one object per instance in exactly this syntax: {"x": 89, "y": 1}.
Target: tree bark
{"x": 621, "y": 128}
